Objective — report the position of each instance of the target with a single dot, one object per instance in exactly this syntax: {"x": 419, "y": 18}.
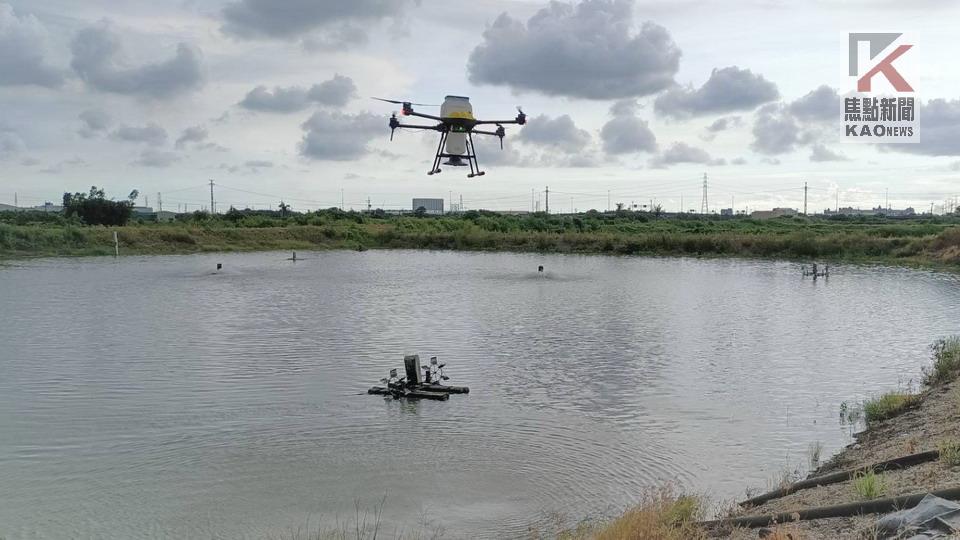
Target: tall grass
{"x": 949, "y": 453}
{"x": 868, "y": 484}
{"x": 888, "y": 405}
{"x": 660, "y": 515}
{"x": 946, "y": 361}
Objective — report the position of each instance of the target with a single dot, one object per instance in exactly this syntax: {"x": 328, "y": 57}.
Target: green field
{"x": 921, "y": 241}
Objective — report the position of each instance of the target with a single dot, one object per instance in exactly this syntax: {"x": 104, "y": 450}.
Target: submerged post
{"x": 116, "y": 245}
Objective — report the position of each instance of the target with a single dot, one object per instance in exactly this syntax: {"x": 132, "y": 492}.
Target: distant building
{"x": 8, "y": 208}
{"x": 726, "y": 211}
{"x": 432, "y": 206}
{"x": 878, "y": 211}
{"x": 775, "y": 213}
{"x": 48, "y": 207}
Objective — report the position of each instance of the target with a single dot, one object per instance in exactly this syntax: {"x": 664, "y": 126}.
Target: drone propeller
{"x": 521, "y": 116}
{"x": 404, "y": 102}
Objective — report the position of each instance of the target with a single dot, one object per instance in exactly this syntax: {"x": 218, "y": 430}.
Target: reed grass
{"x": 659, "y": 515}
{"x": 946, "y": 361}
{"x": 868, "y": 484}
{"x": 949, "y": 453}
{"x": 888, "y": 405}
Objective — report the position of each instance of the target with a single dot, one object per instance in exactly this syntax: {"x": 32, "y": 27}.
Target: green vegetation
{"x": 949, "y": 453}
{"x": 868, "y": 484}
{"x": 932, "y": 242}
{"x": 888, "y": 405}
{"x": 94, "y": 208}
{"x": 660, "y": 515}
{"x": 946, "y": 361}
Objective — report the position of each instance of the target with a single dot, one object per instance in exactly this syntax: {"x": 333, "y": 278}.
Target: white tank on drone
{"x": 456, "y": 107}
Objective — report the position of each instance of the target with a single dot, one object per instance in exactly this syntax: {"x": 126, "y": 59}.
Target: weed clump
{"x": 949, "y": 453}
{"x": 868, "y": 484}
{"x": 888, "y": 405}
{"x": 946, "y": 361}
{"x": 660, "y": 515}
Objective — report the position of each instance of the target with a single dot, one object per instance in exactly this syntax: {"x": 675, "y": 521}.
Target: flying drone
{"x": 457, "y": 127}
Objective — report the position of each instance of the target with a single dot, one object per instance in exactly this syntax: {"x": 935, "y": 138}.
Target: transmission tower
{"x": 213, "y": 208}
{"x": 704, "y": 206}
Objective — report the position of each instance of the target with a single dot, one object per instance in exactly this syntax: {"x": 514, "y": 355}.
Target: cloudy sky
{"x": 270, "y": 98}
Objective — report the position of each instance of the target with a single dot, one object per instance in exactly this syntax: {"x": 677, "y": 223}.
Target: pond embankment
{"x": 923, "y": 426}
{"x": 932, "y": 243}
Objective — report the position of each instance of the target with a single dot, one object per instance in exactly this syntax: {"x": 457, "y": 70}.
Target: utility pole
{"x": 548, "y": 199}
{"x": 608, "y": 200}
{"x": 704, "y": 205}
{"x": 213, "y": 208}
{"x": 146, "y": 200}
{"x": 369, "y": 206}
{"x": 681, "y": 203}
{"x": 15, "y": 202}
{"x": 159, "y": 203}
{"x": 341, "y": 199}
{"x": 838, "y": 201}
{"x": 886, "y": 197}
{"x": 461, "y": 203}
{"x": 804, "y": 198}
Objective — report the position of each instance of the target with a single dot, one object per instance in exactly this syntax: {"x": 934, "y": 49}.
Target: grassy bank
{"x": 933, "y": 241}
{"x": 896, "y": 424}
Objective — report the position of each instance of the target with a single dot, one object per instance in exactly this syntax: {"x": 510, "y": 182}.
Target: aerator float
{"x": 425, "y": 383}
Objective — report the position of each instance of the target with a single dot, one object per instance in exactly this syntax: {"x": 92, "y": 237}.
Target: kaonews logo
{"x": 876, "y": 116}
{"x": 878, "y": 42}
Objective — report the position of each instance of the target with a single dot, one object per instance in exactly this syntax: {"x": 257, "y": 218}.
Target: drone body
{"x": 457, "y": 126}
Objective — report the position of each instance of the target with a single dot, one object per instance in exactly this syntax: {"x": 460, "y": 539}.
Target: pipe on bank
{"x": 876, "y": 506}
{"x": 841, "y": 476}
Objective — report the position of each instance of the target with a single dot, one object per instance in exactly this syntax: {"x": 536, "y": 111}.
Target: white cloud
{"x": 23, "y": 57}
{"x": 97, "y": 59}
{"x": 626, "y": 133}
{"x": 728, "y": 89}
{"x": 150, "y": 134}
{"x": 337, "y": 136}
{"x": 586, "y": 50}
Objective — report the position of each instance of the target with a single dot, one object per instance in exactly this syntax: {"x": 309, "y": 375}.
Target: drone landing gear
{"x": 456, "y": 159}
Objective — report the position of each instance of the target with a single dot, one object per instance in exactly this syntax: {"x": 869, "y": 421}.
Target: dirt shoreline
{"x": 934, "y": 421}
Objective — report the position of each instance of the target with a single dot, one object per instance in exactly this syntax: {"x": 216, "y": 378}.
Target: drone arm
{"x": 411, "y": 112}
{"x": 518, "y": 120}
{"x": 500, "y": 132}
{"x": 437, "y": 127}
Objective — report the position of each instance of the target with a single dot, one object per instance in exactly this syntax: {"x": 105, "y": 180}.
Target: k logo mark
{"x": 878, "y": 42}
